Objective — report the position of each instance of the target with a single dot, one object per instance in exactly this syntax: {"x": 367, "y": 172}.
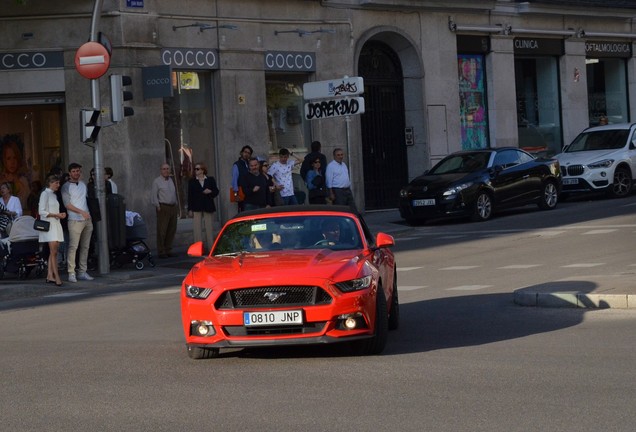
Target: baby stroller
{"x": 21, "y": 252}
{"x": 132, "y": 248}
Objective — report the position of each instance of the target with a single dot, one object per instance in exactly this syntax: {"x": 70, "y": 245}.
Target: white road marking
{"x": 410, "y": 287}
{"x": 408, "y": 268}
{"x": 62, "y": 295}
{"x": 519, "y": 266}
{"x": 166, "y": 291}
{"x": 600, "y": 231}
{"x": 468, "y": 287}
{"x": 583, "y": 265}
{"x": 548, "y": 233}
{"x": 459, "y": 268}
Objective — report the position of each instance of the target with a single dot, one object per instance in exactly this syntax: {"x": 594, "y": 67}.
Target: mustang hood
{"x": 273, "y": 267}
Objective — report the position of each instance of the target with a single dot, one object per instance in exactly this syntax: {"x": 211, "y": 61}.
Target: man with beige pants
{"x": 80, "y": 226}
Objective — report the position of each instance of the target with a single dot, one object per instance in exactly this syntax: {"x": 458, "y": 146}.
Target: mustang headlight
{"x": 355, "y": 284}
{"x": 457, "y": 189}
{"x": 197, "y": 292}
{"x": 606, "y": 163}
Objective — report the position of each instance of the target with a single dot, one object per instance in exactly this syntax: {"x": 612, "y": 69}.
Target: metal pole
{"x": 102, "y": 233}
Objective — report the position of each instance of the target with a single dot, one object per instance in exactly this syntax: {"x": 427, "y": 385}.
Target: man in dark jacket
{"x": 254, "y": 185}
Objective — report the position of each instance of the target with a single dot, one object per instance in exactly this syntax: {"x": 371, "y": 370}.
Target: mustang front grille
{"x": 273, "y": 296}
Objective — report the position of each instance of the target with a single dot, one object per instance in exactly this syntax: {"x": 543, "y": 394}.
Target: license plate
{"x": 252, "y": 319}
{"x": 423, "y": 202}
{"x": 570, "y": 181}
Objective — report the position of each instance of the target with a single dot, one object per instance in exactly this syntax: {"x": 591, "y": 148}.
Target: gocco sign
{"x": 290, "y": 61}
{"x": 190, "y": 58}
{"x": 31, "y": 60}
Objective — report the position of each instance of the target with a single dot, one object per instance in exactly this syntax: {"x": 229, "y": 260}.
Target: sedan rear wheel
{"x": 549, "y": 197}
{"x": 622, "y": 185}
{"x": 483, "y": 207}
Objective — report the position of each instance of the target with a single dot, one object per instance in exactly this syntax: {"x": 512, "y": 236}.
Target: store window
{"x": 472, "y": 102}
{"x": 189, "y": 129}
{"x": 286, "y": 121}
{"x": 31, "y": 144}
{"x": 538, "y": 112}
{"x": 606, "y": 91}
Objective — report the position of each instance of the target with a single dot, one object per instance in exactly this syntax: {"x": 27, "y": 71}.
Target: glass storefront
{"x": 31, "y": 140}
{"x": 189, "y": 129}
{"x": 606, "y": 70}
{"x": 286, "y": 121}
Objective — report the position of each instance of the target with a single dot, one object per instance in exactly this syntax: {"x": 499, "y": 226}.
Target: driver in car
{"x": 330, "y": 232}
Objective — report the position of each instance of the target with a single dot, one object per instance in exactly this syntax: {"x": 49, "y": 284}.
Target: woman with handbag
{"x": 49, "y": 210}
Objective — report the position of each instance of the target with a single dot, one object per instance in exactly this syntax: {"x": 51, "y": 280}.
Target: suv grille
{"x": 573, "y": 170}
{"x": 273, "y": 296}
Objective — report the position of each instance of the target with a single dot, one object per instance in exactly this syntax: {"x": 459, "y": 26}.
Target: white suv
{"x": 601, "y": 158}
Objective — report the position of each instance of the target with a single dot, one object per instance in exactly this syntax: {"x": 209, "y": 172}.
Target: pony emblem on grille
{"x": 273, "y": 296}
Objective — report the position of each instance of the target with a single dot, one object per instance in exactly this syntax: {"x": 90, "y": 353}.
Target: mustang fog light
{"x": 202, "y": 328}
{"x": 350, "y": 321}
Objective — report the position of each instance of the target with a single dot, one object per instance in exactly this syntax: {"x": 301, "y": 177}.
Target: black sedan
{"x": 474, "y": 183}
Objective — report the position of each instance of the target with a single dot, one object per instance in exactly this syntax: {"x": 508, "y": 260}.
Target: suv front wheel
{"x": 622, "y": 185}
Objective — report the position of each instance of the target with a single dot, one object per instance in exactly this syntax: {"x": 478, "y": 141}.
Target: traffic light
{"x": 88, "y": 125}
{"x": 118, "y": 96}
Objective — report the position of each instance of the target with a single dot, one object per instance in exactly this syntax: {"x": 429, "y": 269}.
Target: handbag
{"x": 41, "y": 225}
{"x": 237, "y": 198}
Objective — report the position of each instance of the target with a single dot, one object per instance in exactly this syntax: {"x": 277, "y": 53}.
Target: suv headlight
{"x": 606, "y": 163}
{"x": 196, "y": 292}
{"x": 457, "y": 189}
{"x": 355, "y": 284}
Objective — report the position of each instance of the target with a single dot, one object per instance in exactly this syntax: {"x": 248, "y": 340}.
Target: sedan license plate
{"x": 252, "y": 319}
{"x": 570, "y": 181}
{"x": 423, "y": 202}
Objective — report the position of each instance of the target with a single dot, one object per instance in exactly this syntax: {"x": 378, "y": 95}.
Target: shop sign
{"x": 349, "y": 86}
{"x": 31, "y": 60}
{"x": 334, "y": 108}
{"x": 598, "y": 49}
{"x": 190, "y": 58}
{"x": 290, "y": 61}
{"x": 135, "y": 3}
{"x": 156, "y": 82}
{"x": 539, "y": 46}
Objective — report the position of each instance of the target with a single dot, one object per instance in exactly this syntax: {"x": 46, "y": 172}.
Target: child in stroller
{"x": 21, "y": 252}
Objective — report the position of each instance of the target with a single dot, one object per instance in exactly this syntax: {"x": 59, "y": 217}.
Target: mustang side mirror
{"x": 384, "y": 240}
{"x": 196, "y": 249}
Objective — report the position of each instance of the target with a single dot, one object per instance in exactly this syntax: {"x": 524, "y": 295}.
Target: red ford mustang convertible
{"x": 291, "y": 276}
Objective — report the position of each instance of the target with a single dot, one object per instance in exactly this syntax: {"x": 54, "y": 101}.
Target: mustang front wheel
{"x": 198, "y": 353}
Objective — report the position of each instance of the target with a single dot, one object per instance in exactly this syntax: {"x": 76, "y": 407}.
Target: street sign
{"x": 92, "y": 60}
{"x": 348, "y": 86}
{"x": 334, "y": 108}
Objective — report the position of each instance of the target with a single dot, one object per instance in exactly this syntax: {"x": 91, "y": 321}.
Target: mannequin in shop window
{"x": 14, "y": 169}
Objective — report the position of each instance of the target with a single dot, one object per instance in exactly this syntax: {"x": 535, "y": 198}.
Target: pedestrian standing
{"x": 309, "y": 159}
{"x": 281, "y": 171}
{"x": 239, "y": 168}
{"x": 254, "y": 186}
{"x": 109, "y": 179}
{"x": 202, "y": 190}
{"x": 164, "y": 198}
{"x": 271, "y": 189}
{"x": 338, "y": 180}
{"x": 49, "y": 210}
{"x": 80, "y": 225}
{"x": 315, "y": 181}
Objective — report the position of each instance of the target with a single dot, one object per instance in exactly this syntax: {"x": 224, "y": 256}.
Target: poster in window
{"x": 472, "y": 102}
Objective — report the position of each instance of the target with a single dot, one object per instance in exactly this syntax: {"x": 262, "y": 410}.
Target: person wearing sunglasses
{"x": 202, "y": 190}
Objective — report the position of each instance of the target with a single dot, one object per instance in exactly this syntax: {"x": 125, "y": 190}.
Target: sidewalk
{"x": 601, "y": 291}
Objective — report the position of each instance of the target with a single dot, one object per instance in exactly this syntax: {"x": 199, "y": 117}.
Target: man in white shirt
{"x": 80, "y": 225}
{"x": 281, "y": 171}
{"x": 338, "y": 181}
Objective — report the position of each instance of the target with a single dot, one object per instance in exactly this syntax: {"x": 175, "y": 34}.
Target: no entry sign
{"x": 92, "y": 60}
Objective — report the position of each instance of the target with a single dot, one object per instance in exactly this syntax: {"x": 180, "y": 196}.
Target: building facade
{"x": 211, "y": 76}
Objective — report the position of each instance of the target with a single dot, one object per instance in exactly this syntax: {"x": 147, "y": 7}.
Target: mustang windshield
{"x": 599, "y": 140}
{"x": 288, "y": 233}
